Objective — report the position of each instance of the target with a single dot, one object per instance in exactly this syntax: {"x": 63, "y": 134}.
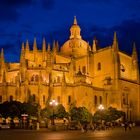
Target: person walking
{"x": 125, "y": 126}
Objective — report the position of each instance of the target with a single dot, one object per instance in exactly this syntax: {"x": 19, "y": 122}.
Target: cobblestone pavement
{"x": 42, "y": 134}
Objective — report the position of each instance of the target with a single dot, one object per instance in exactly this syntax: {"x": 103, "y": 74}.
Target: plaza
{"x": 44, "y": 134}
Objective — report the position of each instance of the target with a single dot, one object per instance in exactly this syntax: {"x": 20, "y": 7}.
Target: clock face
{"x": 122, "y": 68}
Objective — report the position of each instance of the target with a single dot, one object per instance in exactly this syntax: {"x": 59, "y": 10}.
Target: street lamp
{"x": 53, "y": 103}
{"x": 101, "y": 108}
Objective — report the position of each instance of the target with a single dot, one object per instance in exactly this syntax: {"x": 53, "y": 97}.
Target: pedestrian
{"x": 130, "y": 126}
{"x": 85, "y": 127}
{"x": 125, "y": 126}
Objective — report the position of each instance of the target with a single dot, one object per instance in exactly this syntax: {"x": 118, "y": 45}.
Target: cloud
{"x": 93, "y": 1}
{"x": 48, "y": 4}
{"x": 10, "y": 51}
{"x": 15, "y": 2}
{"x": 8, "y": 9}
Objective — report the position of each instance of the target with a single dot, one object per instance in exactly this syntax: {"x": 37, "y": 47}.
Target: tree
{"x": 109, "y": 115}
{"x": 30, "y": 109}
{"x": 46, "y": 113}
{"x": 10, "y": 109}
{"x": 80, "y": 114}
{"x": 61, "y": 112}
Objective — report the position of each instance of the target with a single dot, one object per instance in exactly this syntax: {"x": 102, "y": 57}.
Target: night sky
{"x": 52, "y": 19}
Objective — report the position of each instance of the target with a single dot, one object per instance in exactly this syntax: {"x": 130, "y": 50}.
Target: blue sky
{"x": 26, "y": 19}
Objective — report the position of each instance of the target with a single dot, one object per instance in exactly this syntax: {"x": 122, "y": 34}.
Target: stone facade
{"x": 76, "y": 73}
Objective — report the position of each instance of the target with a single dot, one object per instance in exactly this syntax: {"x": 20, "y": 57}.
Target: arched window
{"x": 32, "y": 78}
{"x": 44, "y": 100}
{"x": 11, "y": 98}
{"x": 101, "y": 100}
{"x": 95, "y": 100}
{"x": 36, "y": 78}
{"x": 84, "y": 69}
{"x": 69, "y": 99}
{"x": 99, "y": 66}
{"x": 0, "y": 99}
{"x": 58, "y": 79}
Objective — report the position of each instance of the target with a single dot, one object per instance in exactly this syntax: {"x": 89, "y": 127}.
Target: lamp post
{"x": 53, "y": 103}
{"x": 101, "y": 108}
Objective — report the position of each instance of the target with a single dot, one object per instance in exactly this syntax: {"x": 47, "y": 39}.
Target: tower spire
{"x": 27, "y": 46}
{"x": 22, "y": 48}
{"x": 44, "y": 45}
{"x": 75, "y": 21}
{"x": 115, "y": 42}
{"x": 134, "y": 52}
{"x": 22, "y": 53}
{"x": 49, "y": 47}
{"x": 75, "y": 30}
{"x": 94, "y": 45}
{"x": 54, "y": 49}
{"x": 57, "y": 46}
{"x": 35, "y": 45}
{"x": 2, "y": 56}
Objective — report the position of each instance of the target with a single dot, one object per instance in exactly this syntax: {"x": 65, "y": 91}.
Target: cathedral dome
{"x": 75, "y": 46}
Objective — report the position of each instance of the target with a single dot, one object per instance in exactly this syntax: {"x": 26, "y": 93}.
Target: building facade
{"x": 76, "y": 73}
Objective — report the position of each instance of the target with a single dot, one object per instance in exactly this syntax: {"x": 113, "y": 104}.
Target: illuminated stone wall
{"x": 78, "y": 74}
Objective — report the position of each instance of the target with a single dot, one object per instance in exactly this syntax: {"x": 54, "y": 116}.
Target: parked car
{"x": 4, "y": 126}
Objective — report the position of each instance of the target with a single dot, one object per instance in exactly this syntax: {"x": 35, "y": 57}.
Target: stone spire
{"x": 34, "y": 45}
{"x": 44, "y": 49}
{"x": 134, "y": 52}
{"x": 27, "y": 48}
{"x": 22, "y": 64}
{"x": 54, "y": 46}
{"x": 22, "y": 47}
{"x": 57, "y": 46}
{"x": 22, "y": 53}
{"x": 2, "y": 56}
{"x": 49, "y": 57}
{"x": 49, "y": 48}
{"x": 115, "y": 42}
{"x": 135, "y": 66}
{"x": 44, "y": 45}
{"x": 75, "y": 21}
{"x": 116, "y": 60}
{"x": 2, "y": 62}
{"x": 94, "y": 45}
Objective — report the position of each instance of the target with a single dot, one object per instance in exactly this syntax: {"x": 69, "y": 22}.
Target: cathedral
{"x": 75, "y": 73}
